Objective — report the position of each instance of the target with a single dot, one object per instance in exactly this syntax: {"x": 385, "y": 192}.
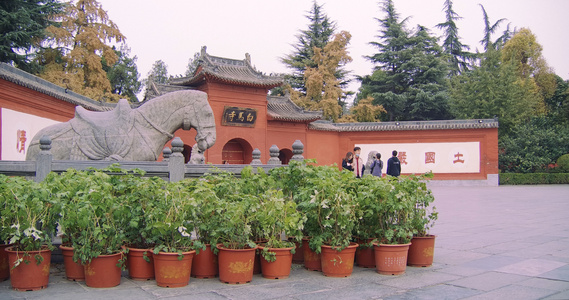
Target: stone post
{"x": 176, "y": 166}
{"x": 166, "y": 152}
{"x": 44, "y": 159}
{"x": 297, "y": 150}
{"x": 274, "y": 153}
{"x": 256, "y": 157}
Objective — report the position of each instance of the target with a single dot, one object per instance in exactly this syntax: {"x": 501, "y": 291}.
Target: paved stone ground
{"x": 507, "y": 242}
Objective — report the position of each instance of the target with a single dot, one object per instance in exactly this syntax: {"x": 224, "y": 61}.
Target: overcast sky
{"x": 173, "y": 30}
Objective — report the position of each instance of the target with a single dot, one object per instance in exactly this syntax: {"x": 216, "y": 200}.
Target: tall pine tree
{"x": 318, "y": 34}
{"x": 458, "y": 55}
{"x": 22, "y": 25}
{"x": 410, "y": 71}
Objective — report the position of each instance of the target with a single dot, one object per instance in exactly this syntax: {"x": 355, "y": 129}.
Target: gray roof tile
{"x": 404, "y": 125}
{"x": 282, "y": 108}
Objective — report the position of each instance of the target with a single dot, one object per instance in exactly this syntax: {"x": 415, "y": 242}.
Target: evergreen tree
{"x": 489, "y": 30}
{"x": 78, "y": 46}
{"x": 409, "y": 77}
{"x": 192, "y": 65}
{"x": 158, "y": 73}
{"x": 427, "y": 97}
{"x": 22, "y": 25}
{"x": 318, "y": 34}
{"x": 494, "y": 90}
{"x": 123, "y": 75}
{"x": 458, "y": 55}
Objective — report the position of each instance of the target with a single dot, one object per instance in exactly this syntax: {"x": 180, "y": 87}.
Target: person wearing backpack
{"x": 377, "y": 166}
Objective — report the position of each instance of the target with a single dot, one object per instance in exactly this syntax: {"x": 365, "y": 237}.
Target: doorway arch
{"x": 237, "y": 151}
{"x": 285, "y": 155}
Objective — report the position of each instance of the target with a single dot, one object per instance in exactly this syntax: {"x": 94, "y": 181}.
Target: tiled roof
{"x": 283, "y": 109}
{"x": 154, "y": 90}
{"x": 37, "y": 84}
{"x": 404, "y": 125}
{"x": 230, "y": 71}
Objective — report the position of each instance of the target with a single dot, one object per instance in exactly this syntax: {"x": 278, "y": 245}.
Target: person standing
{"x": 393, "y": 165}
{"x": 347, "y": 162}
{"x": 358, "y": 163}
{"x": 377, "y": 166}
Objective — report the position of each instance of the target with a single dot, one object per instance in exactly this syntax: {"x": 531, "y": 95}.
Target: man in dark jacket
{"x": 394, "y": 165}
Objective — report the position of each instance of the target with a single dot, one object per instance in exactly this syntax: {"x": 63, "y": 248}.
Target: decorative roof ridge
{"x": 216, "y": 66}
{"x": 405, "y": 125}
{"x": 33, "y": 82}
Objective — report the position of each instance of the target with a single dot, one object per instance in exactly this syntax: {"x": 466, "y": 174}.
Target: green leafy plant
{"x": 277, "y": 216}
{"x": 170, "y": 220}
{"x": 330, "y": 209}
{"x": 424, "y": 216}
{"x": 369, "y": 193}
{"x": 28, "y": 216}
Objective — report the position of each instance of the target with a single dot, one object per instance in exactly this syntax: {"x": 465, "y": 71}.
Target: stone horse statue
{"x": 130, "y": 134}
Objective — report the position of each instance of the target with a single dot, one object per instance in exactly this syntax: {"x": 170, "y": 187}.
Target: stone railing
{"x": 172, "y": 168}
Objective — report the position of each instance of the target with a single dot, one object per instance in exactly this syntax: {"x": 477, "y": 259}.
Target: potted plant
{"x": 335, "y": 212}
{"x": 421, "y": 250}
{"x": 65, "y": 187}
{"x": 170, "y": 223}
{"x": 368, "y": 192}
{"x": 236, "y": 247}
{"x": 278, "y": 216}
{"x": 28, "y": 222}
{"x": 99, "y": 219}
{"x": 206, "y": 223}
{"x": 395, "y": 231}
{"x": 139, "y": 194}
{"x": 297, "y": 183}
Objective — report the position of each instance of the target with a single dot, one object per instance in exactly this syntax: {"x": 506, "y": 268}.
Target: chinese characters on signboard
{"x": 237, "y": 116}
{"x": 21, "y": 141}
{"x": 453, "y": 157}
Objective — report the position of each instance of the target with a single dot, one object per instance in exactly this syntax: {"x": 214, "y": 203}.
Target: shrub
{"x": 563, "y": 163}
{"x": 534, "y": 178}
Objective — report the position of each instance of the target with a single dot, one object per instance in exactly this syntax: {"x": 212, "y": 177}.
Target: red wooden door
{"x": 232, "y": 153}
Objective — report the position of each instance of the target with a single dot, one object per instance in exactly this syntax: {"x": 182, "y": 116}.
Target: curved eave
{"x": 207, "y": 75}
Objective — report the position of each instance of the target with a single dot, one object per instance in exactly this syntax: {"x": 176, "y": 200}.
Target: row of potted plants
{"x": 111, "y": 213}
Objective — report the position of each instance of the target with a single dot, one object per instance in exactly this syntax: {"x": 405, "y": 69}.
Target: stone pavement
{"x": 507, "y": 242}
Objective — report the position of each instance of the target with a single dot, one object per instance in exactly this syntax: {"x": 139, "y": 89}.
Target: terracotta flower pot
{"x": 138, "y": 267}
{"x": 311, "y": 259}
{"x": 31, "y": 276}
{"x": 280, "y": 268}
{"x": 365, "y": 256}
{"x": 171, "y": 271}
{"x": 74, "y": 271}
{"x": 257, "y": 262}
{"x": 338, "y": 263}
{"x": 205, "y": 264}
{"x": 421, "y": 251}
{"x": 102, "y": 271}
{"x": 391, "y": 259}
{"x": 235, "y": 265}
{"x": 298, "y": 256}
{"x": 4, "y": 265}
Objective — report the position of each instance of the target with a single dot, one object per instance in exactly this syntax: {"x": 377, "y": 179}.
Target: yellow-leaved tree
{"x": 533, "y": 72}
{"x": 76, "y": 48}
{"x": 364, "y": 111}
{"x": 323, "y": 91}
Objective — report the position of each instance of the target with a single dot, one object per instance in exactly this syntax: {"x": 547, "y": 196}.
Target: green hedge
{"x": 534, "y": 178}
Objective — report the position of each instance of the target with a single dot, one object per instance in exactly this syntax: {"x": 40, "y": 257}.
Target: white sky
{"x": 173, "y": 30}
